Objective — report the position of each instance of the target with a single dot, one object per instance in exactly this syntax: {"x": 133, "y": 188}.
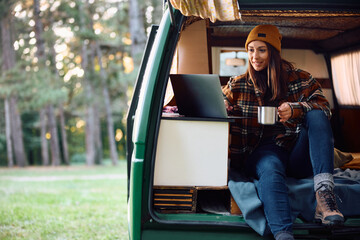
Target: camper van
{"x": 178, "y": 161}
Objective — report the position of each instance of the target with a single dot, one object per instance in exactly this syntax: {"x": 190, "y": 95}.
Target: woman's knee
{"x": 317, "y": 118}
{"x": 315, "y": 114}
{"x": 267, "y": 159}
{"x": 270, "y": 166}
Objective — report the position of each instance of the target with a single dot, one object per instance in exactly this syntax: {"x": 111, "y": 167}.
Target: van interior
{"x": 191, "y": 167}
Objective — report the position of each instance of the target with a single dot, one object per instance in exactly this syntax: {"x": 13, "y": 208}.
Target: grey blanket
{"x": 301, "y": 194}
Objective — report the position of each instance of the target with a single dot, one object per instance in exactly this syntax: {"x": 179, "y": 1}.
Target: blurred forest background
{"x": 67, "y": 73}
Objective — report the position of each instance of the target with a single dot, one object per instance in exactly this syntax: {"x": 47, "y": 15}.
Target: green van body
{"x": 143, "y": 125}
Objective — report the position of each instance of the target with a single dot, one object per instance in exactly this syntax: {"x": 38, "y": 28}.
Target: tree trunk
{"x": 44, "y": 143}
{"x": 97, "y": 134}
{"x": 54, "y": 140}
{"x": 64, "y": 135}
{"x": 109, "y": 118}
{"x": 64, "y": 142}
{"x": 89, "y": 95}
{"x": 90, "y": 116}
{"x": 90, "y": 128}
{"x": 90, "y": 137}
{"x": 15, "y": 134}
{"x": 137, "y": 31}
{"x": 10, "y": 154}
{"x": 40, "y": 53}
{"x": 97, "y": 122}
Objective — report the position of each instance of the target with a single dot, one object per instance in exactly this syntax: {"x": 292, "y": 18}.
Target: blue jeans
{"x": 312, "y": 154}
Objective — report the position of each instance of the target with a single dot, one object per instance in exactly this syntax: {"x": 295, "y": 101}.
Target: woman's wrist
{"x": 292, "y": 110}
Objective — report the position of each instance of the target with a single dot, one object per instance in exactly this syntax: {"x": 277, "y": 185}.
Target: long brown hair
{"x": 276, "y": 75}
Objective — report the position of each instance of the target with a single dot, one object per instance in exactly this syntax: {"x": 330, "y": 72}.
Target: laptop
{"x": 199, "y": 95}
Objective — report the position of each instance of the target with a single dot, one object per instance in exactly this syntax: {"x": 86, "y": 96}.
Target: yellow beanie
{"x": 265, "y": 33}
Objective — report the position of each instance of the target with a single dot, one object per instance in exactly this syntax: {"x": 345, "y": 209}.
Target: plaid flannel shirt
{"x": 304, "y": 94}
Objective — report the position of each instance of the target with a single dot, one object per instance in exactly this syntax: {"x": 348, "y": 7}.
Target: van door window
{"x": 346, "y": 76}
{"x": 229, "y": 61}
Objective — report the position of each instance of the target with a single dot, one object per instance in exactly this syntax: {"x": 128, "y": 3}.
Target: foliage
{"x": 78, "y": 158}
{"x": 2, "y": 150}
{"x": 6, "y": 6}
{"x": 12, "y": 81}
{"x": 59, "y": 79}
{"x": 31, "y": 137}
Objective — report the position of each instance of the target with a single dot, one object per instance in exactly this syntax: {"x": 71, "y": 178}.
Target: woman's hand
{"x": 284, "y": 112}
{"x": 228, "y": 107}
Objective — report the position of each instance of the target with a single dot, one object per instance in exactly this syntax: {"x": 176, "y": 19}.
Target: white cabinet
{"x": 192, "y": 153}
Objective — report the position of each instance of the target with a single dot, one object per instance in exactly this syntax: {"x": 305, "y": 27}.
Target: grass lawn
{"x": 75, "y": 202}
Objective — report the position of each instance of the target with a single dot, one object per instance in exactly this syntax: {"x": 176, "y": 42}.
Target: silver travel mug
{"x": 267, "y": 115}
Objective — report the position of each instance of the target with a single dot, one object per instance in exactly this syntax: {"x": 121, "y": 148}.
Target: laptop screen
{"x": 198, "y": 95}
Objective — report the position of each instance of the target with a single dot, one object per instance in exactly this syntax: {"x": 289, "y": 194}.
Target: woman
{"x": 299, "y": 145}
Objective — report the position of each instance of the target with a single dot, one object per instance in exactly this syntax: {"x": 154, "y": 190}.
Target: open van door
{"x": 170, "y": 197}
{"x": 143, "y": 115}
{"x": 135, "y": 99}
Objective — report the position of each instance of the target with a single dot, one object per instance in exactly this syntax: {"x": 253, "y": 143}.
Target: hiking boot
{"x": 326, "y": 210}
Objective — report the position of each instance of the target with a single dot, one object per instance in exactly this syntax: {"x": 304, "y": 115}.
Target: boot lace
{"x": 329, "y": 198}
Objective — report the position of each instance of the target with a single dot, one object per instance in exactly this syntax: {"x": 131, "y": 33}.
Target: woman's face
{"x": 258, "y": 55}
